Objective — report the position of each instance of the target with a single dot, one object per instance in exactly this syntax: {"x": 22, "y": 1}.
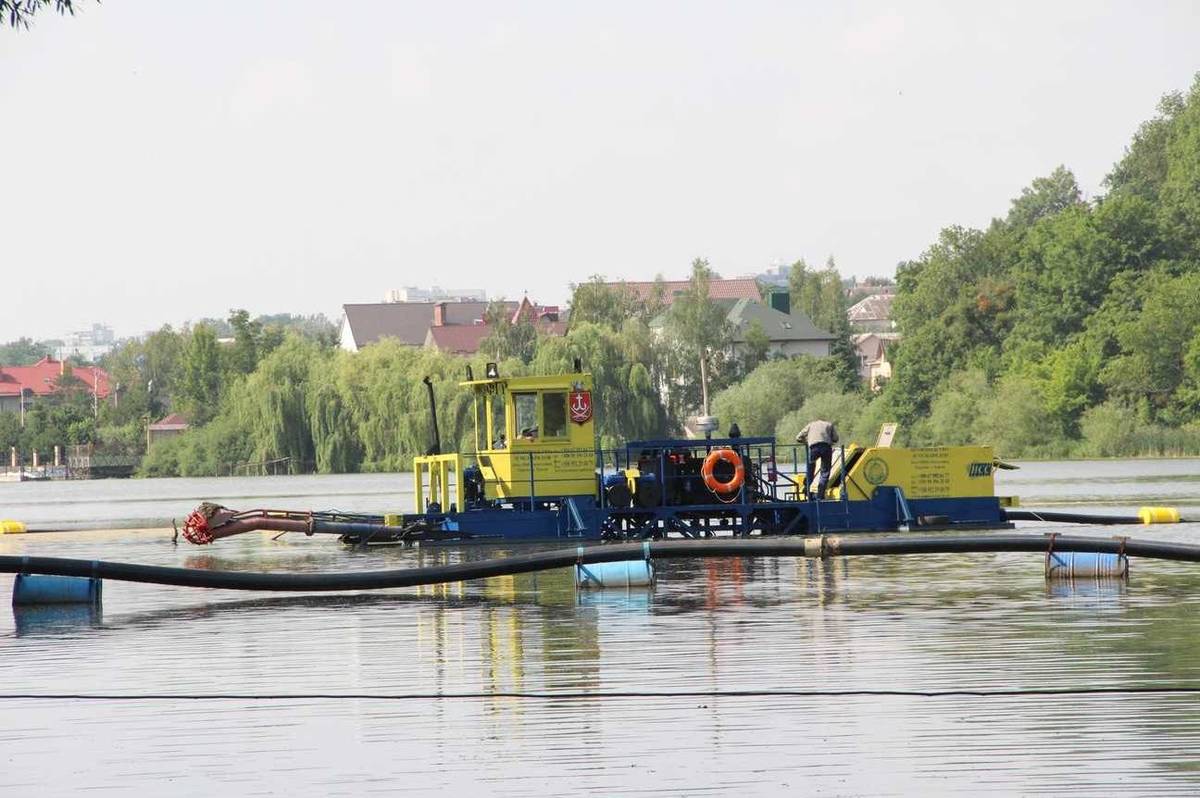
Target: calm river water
{"x": 438, "y": 670}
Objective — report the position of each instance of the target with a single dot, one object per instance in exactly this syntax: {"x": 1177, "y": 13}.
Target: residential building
{"x": 466, "y": 339}
{"x": 407, "y": 322}
{"x": 169, "y": 427}
{"x": 873, "y": 365}
{"x": 43, "y": 379}
{"x": 788, "y": 334}
{"x": 872, "y": 313}
{"x": 457, "y": 327}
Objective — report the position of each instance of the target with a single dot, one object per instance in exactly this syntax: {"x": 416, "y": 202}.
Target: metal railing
{"x": 773, "y": 472}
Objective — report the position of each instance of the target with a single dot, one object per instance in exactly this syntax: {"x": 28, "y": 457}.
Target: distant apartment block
{"x": 87, "y": 345}
{"x": 435, "y": 294}
{"x": 776, "y": 276}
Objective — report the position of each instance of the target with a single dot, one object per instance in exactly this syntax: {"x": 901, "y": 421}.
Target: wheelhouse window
{"x": 497, "y": 433}
{"x": 525, "y": 405}
{"x": 482, "y": 441}
{"x": 554, "y": 414}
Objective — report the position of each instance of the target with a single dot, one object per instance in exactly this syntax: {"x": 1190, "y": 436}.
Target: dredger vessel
{"x": 538, "y": 474}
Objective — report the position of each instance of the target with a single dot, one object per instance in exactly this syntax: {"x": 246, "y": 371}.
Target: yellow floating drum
{"x": 1158, "y": 515}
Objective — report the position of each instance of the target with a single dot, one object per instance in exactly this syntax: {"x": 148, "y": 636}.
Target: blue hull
{"x": 579, "y": 518}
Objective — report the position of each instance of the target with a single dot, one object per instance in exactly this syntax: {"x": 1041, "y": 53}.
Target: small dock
{"x": 83, "y": 463}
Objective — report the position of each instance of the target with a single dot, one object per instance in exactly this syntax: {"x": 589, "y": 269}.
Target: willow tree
{"x": 336, "y": 446}
{"x": 626, "y": 400}
{"x": 376, "y": 405}
{"x": 271, "y": 404}
{"x": 19, "y": 13}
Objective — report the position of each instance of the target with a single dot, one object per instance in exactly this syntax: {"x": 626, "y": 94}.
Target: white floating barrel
{"x": 31, "y": 589}
{"x": 628, "y": 573}
{"x": 1076, "y": 564}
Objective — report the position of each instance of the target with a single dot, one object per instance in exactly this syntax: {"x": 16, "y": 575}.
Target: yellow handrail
{"x": 439, "y": 468}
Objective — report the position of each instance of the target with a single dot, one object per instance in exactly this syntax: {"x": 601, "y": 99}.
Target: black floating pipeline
{"x": 1071, "y": 518}
{"x": 814, "y": 547}
{"x": 1145, "y": 516}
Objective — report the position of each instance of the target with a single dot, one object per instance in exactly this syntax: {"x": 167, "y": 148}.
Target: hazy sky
{"x": 165, "y": 161}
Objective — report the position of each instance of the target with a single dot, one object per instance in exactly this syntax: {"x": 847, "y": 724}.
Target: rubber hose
{"x": 1071, "y": 518}
{"x": 563, "y": 558}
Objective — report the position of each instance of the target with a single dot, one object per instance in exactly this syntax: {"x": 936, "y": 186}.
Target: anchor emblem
{"x": 580, "y": 403}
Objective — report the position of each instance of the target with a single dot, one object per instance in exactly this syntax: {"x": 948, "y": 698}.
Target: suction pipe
{"x": 824, "y": 546}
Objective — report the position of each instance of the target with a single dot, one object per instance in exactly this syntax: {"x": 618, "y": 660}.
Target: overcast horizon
{"x": 168, "y": 162}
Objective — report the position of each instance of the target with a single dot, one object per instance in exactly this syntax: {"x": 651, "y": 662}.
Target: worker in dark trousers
{"x": 820, "y": 436}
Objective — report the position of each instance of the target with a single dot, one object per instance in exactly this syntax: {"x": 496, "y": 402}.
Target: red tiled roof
{"x": 533, "y": 312}
{"x": 42, "y": 378}
{"x": 465, "y": 339}
{"x": 171, "y": 422}
{"x": 737, "y": 288}
{"x": 873, "y": 346}
{"x": 408, "y": 321}
{"x": 458, "y": 339}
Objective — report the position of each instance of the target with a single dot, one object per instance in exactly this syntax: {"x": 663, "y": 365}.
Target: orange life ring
{"x": 727, "y": 456}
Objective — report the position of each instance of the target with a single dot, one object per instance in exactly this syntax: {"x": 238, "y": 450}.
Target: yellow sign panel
{"x": 940, "y": 472}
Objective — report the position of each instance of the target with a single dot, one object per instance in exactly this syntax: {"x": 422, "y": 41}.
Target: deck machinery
{"x": 537, "y": 473}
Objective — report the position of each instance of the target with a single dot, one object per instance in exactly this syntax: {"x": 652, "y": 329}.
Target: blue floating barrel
{"x": 30, "y": 589}
{"x": 1075, "y": 564}
{"x": 629, "y": 573}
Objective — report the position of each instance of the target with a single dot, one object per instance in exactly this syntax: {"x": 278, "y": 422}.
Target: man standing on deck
{"x": 820, "y": 436}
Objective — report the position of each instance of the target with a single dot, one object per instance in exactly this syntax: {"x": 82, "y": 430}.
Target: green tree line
{"x": 186, "y": 371}
{"x": 1069, "y": 326}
